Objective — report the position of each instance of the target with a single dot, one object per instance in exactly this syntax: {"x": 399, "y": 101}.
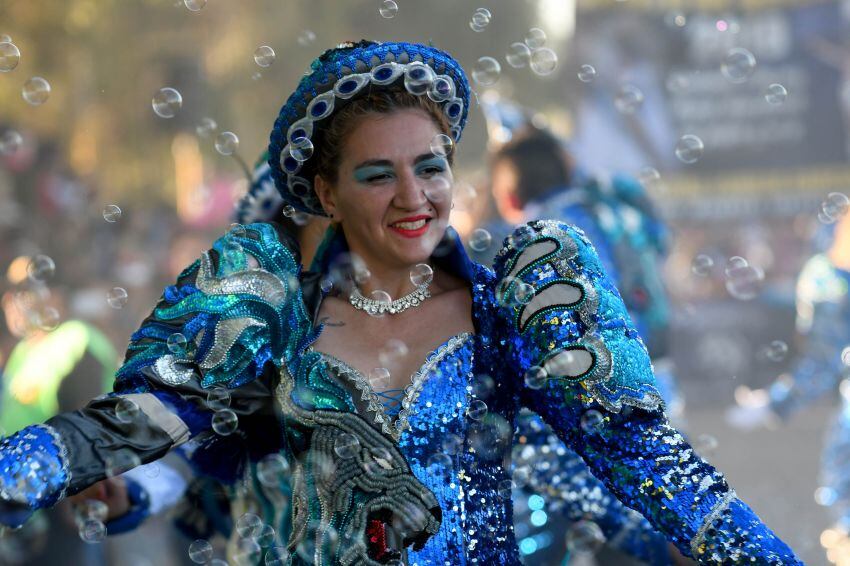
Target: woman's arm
{"x": 205, "y": 355}
{"x": 600, "y": 398}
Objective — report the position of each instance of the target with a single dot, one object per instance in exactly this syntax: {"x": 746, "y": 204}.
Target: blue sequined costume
{"x": 247, "y": 313}
{"x": 823, "y": 308}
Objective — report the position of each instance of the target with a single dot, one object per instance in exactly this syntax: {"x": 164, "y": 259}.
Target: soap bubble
{"x": 439, "y": 464}
{"x": 738, "y": 65}
{"x": 346, "y": 446}
{"x": 649, "y": 177}
{"x": 705, "y": 444}
{"x": 126, "y": 410}
{"x": 218, "y": 398}
{"x": 121, "y": 462}
{"x": 266, "y": 536}
{"x": 379, "y": 379}
{"x": 10, "y": 56}
{"x": 535, "y": 38}
{"x": 629, "y": 99}
{"x": 421, "y": 274}
{"x": 272, "y": 470}
{"x": 112, "y": 213}
{"x": 480, "y": 19}
{"x": 744, "y": 283}
{"x": 776, "y": 94}
{"x": 264, "y": 56}
{"x": 442, "y": 145}
{"x": 93, "y": 531}
{"x": 536, "y": 377}
{"x": 584, "y": 537}
{"x": 206, "y": 127}
{"x": 776, "y": 351}
{"x": 392, "y": 351}
{"x": 835, "y": 205}
{"x": 476, "y": 410}
{"x": 388, "y": 9}
{"x": 689, "y": 149}
{"x": 523, "y": 293}
{"x": 505, "y": 489}
{"x": 277, "y": 556}
{"x": 306, "y": 38}
{"x": 195, "y": 5}
{"x": 117, "y": 297}
{"x": 486, "y": 71}
{"x": 47, "y": 319}
{"x": 586, "y": 73}
{"x": 825, "y": 496}
{"x": 592, "y": 421}
{"x": 301, "y": 149}
{"x": 248, "y": 552}
{"x": 480, "y": 240}
{"x": 543, "y": 61}
{"x": 41, "y": 268}
{"x": 176, "y": 344}
{"x": 735, "y": 262}
{"x": 383, "y": 299}
{"x": 518, "y": 56}
{"x": 166, "y": 102}
{"x": 36, "y": 91}
{"x": 200, "y": 551}
{"x": 482, "y": 386}
{"x": 249, "y": 525}
{"x": 10, "y": 141}
{"x": 324, "y": 534}
{"x": 225, "y": 422}
{"x": 452, "y": 444}
{"x": 226, "y": 143}
{"x": 702, "y": 265}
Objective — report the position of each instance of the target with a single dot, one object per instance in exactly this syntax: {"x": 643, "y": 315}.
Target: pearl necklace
{"x": 377, "y": 308}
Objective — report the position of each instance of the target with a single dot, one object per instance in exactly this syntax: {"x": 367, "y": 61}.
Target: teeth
{"x": 410, "y": 225}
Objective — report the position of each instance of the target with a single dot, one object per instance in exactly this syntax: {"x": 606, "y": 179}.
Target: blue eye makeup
{"x": 370, "y": 173}
{"x": 432, "y": 165}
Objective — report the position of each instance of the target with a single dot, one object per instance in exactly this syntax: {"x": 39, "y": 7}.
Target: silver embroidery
{"x": 169, "y": 372}
{"x": 719, "y": 507}
{"x": 257, "y": 282}
{"x": 227, "y": 332}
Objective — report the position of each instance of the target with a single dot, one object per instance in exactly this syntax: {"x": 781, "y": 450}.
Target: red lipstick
{"x": 411, "y": 232}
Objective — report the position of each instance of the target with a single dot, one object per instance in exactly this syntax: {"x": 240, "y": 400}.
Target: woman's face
{"x": 393, "y": 194}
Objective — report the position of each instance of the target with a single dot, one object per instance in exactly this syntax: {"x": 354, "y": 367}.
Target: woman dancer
{"x": 251, "y": 361}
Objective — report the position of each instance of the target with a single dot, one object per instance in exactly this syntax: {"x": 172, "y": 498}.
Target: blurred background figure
{"x": 820, "y": 371}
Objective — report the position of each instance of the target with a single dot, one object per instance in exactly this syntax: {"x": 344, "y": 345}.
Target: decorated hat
{"x": 337, "y": 77}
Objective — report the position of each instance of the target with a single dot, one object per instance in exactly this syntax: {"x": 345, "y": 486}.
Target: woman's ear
{"x": 324, "y": 191}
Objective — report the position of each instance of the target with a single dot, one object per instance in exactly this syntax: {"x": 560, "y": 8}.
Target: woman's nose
{"x": 410, "y": 192}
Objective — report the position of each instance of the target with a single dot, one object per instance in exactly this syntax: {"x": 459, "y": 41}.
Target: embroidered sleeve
{"x": 202, "y": 366}
{"x": 587, "y": 373}
{"x": 574, "y": 494}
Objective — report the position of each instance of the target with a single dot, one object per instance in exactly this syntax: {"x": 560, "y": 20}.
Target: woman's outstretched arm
{"x": 587, "y": 373}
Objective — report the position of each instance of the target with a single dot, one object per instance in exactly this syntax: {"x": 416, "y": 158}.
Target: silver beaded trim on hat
{"x": 378, "y": 308}
{"x": 419, "y": 79}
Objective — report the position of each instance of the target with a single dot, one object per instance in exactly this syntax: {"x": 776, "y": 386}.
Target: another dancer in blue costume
{"x": 368, "y": 486}
{"x": 821, "y": 370}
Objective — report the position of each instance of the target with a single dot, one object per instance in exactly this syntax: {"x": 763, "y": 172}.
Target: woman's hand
{"x": 111, "y": 491}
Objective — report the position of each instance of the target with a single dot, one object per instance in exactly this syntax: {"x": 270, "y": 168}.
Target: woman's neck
{"x": 395, "y": 281}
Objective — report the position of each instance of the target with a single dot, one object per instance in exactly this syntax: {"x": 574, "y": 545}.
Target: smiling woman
{"x": 384, "y": 436}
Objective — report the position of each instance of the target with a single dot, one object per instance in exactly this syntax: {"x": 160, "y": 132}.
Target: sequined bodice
{"x": 433, "y": 434}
